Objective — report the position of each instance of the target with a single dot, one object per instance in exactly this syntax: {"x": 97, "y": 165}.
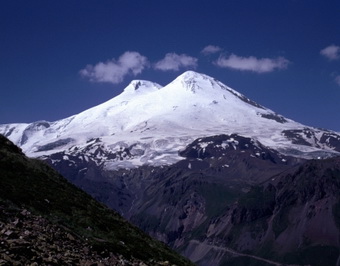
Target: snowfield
{"x": 153, "y": 123}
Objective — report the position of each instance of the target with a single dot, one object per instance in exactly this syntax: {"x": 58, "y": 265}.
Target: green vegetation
{"x": 280, "y": 221}
{"x": 316, "y": 256}
{"x": 258, "y": 198}
{"x": 33, "y": 185}
{"x": 217, "y": 197}
{"x": 266, "y": 251}
{"x": 146, "y": 221}
{"x": 199, "y": 231}
{"x": 336, "y": 213}
{"x": 336, "y": 207}
{"x": 237, "y": 261}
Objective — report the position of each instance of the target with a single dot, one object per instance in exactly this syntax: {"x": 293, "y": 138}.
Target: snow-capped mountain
{"x": 150, "y": 124}
{"x": 202, "y": 168}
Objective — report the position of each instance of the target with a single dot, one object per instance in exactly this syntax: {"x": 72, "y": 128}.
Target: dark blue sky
{"x": 58, "y": 58}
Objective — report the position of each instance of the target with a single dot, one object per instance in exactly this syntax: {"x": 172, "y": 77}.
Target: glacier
{"x": 152, "y": 124}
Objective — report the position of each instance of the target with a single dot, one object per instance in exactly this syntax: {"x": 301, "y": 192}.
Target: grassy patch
{"x": 316, "y": 256}
{"x": 336, "y": 213}
{"x": 257, "y": 198}
{"x": 217, "y": 198}
{"x": 280, "y": 222}
{"x": 242, "y": 260}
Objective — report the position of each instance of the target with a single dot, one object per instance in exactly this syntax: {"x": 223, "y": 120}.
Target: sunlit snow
{"x": 155, "y": 122}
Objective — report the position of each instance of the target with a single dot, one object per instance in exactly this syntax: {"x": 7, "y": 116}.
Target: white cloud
{"x": 262, "y": 65}
{"x": 174, "y": 62}
{"x": 114, "y": 71}
{"x": 337, "y": 80}
{"x": 211, "y": 49}
{"x": 332, "y": 52}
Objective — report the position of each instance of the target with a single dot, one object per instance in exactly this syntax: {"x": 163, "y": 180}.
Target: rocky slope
{"x": 46, "y": 220}
{"x": 26, "y": 237}
{"x": 230, "y": 195}
{"x": 292, "y": 218}
{"x": 203, "y": 168}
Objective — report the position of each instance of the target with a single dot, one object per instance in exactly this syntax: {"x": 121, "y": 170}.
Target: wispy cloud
{"x": 258, "y": 65}
{"x": 337, "y": 80}
{"x": 114, "y": 71}
{"x": 332, "y": 52}
{"x": 211, "y": 49}
{"x": 174, "y": 62}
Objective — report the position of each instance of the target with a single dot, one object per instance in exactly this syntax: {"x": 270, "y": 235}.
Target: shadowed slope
{"x": 32, "y": 195}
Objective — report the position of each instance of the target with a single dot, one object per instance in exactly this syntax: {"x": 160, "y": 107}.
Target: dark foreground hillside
{"x": 45, "y": 220}
{"x": 241, "y": 204}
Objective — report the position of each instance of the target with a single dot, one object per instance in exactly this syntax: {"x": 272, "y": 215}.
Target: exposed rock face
{"x": 311, "y": 137}
{"x": 148, "y": 125}
{"x": 228, "y": 199}
{"x": 201, "y": 167}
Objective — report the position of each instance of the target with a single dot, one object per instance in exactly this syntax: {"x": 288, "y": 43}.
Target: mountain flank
{"x": 218, "y": 177}
{"x": 292, "y": 218}
{"x": 45, "y": 220}
{"x": 152, "y": 123}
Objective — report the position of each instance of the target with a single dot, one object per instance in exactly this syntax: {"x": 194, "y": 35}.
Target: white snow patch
{"x": 143, "y": 116}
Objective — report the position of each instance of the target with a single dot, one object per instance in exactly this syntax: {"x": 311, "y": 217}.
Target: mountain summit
{"x": 141, "y": 86}
{"x": 204, "y": 169}
{"x": 155, "y": 122}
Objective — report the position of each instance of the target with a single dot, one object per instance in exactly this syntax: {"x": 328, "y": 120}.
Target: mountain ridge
{"x": 200, "y": 166}
{"x": 193, "y": 105}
